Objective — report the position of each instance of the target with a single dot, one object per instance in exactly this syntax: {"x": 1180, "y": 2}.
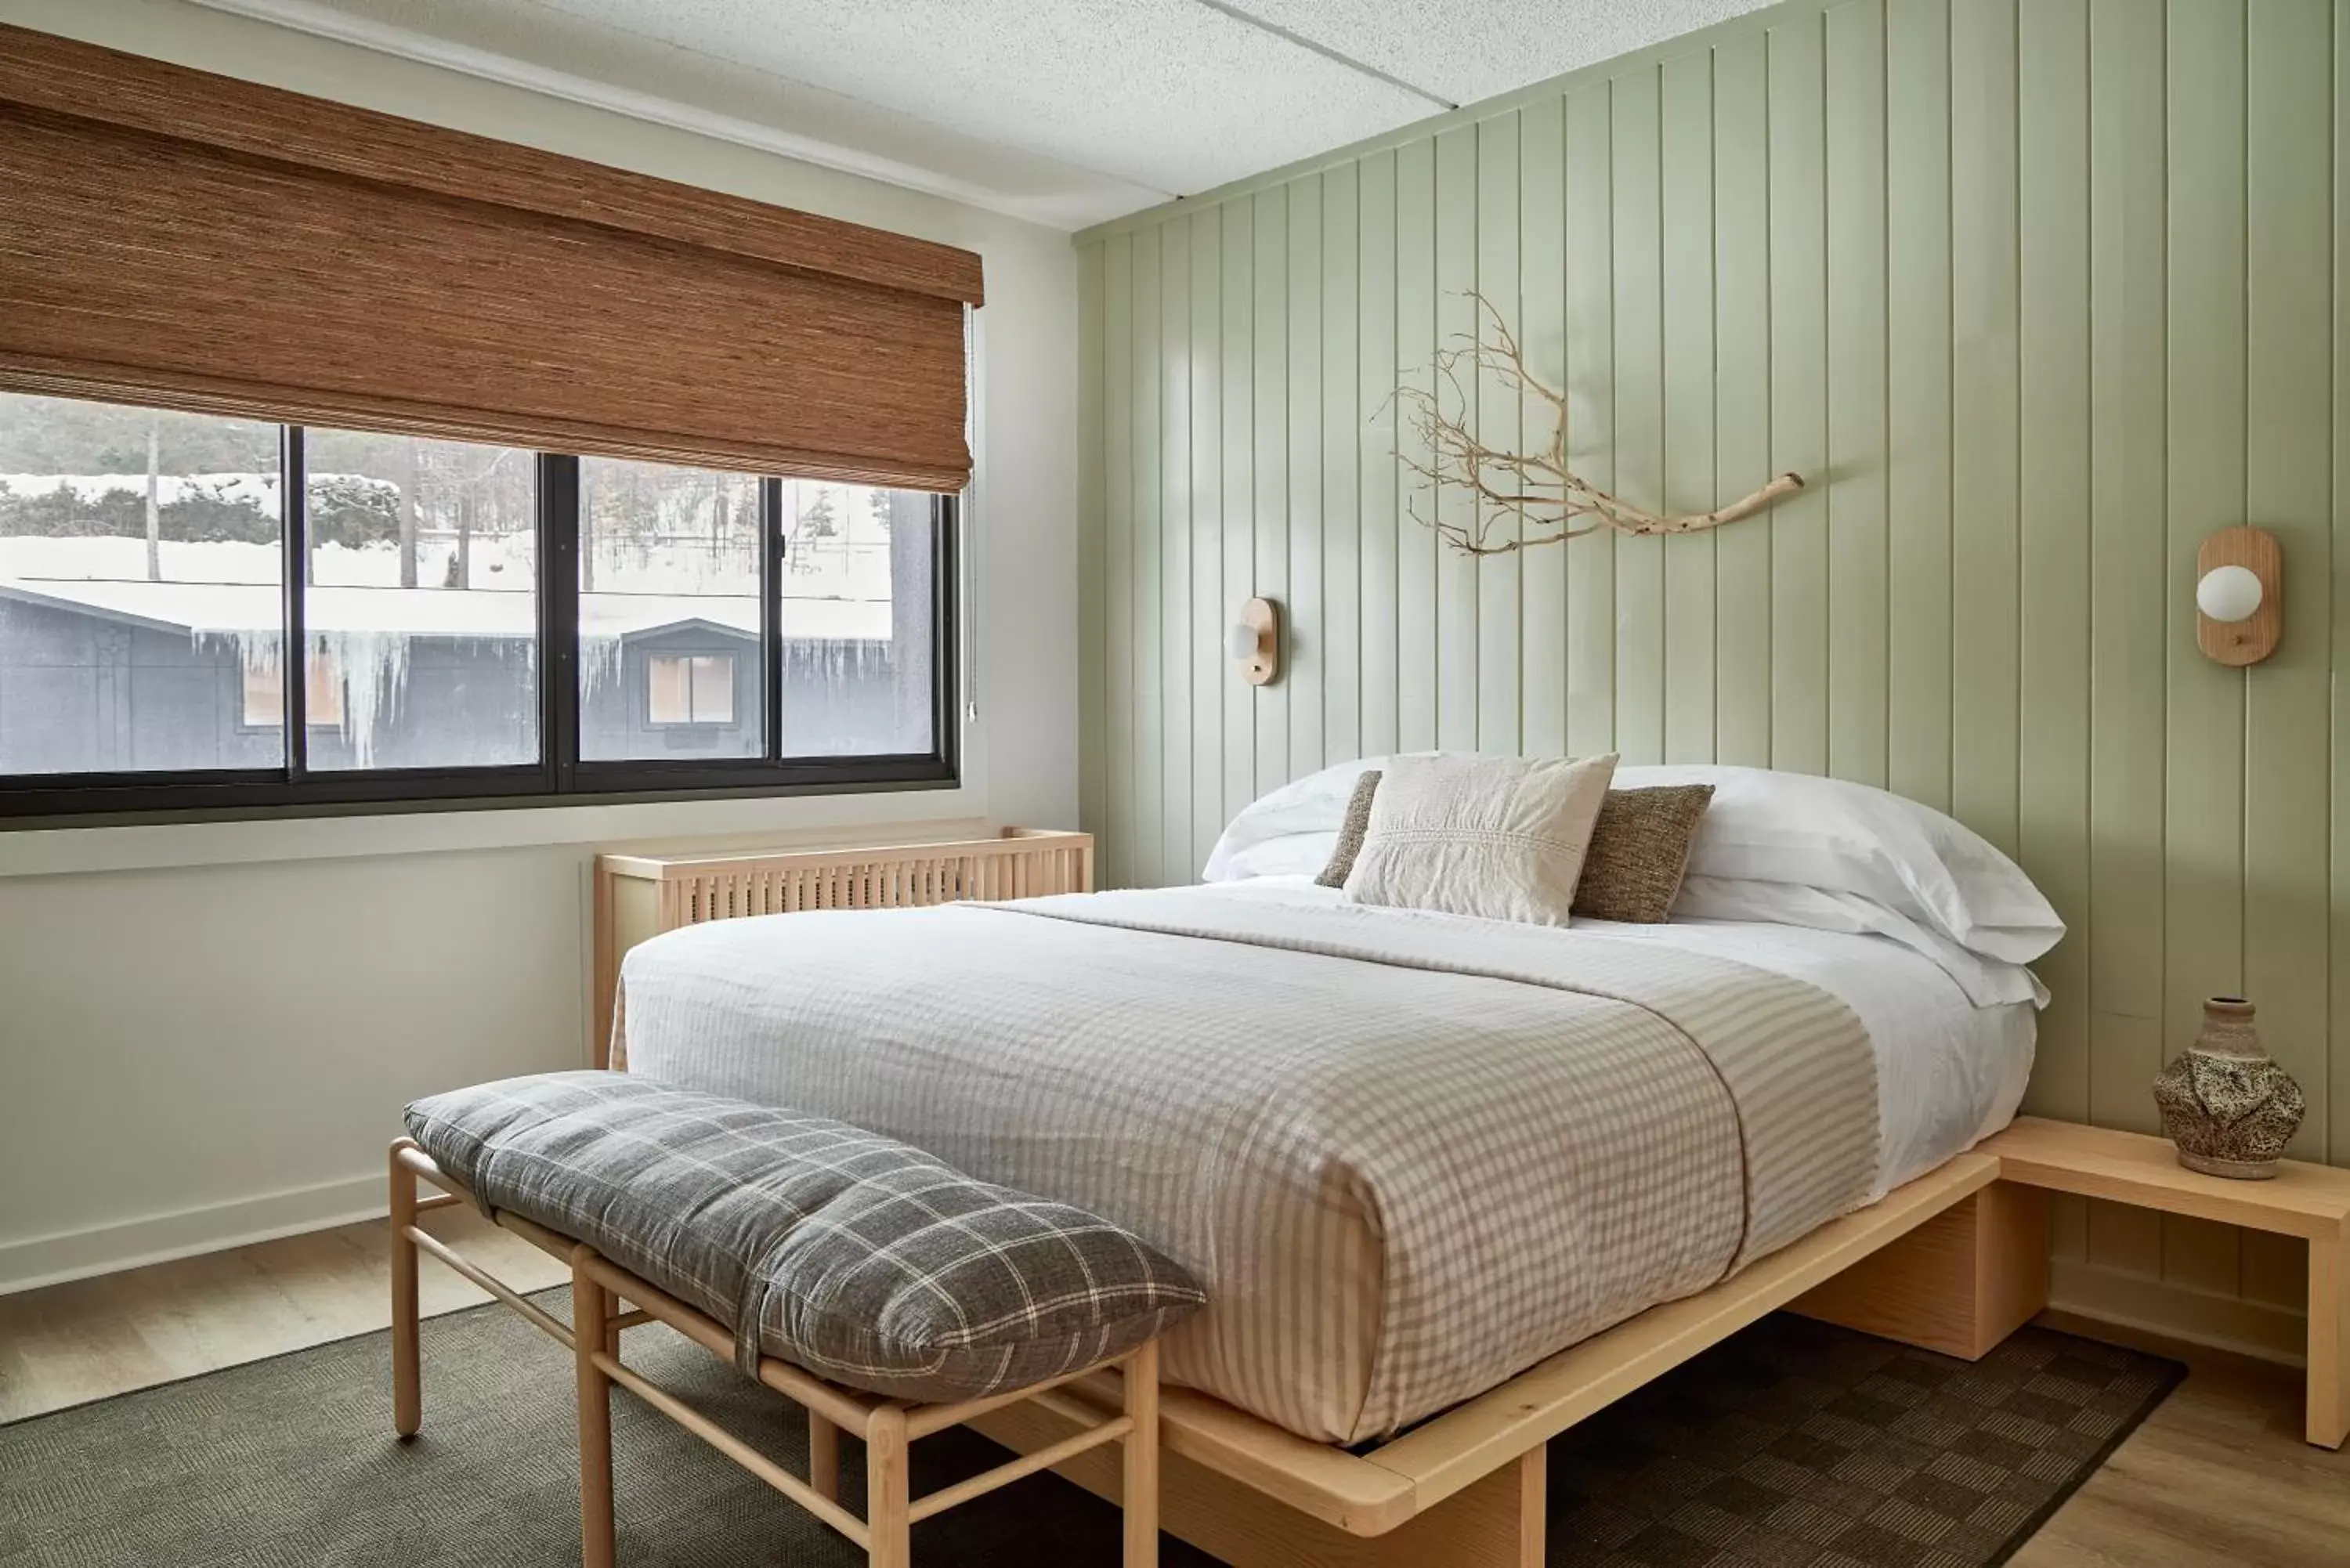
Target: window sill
{"x": 35, "y": 851}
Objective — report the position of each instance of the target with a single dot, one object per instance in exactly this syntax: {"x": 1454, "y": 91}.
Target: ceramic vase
{"x": 2225, "y": 1102}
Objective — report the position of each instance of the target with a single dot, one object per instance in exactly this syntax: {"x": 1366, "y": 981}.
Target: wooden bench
{"x": 607, "y": 1299}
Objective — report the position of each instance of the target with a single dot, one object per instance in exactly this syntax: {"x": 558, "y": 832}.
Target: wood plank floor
{"x": 2218, "y": 1478}
{"x": 69, "y": 1344}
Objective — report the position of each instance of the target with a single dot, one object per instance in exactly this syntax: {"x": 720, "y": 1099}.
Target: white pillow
{"x": 1295, "y": 829}
{"x": 1919, "y": 872}
{"x": 1495, "y": 838}
{"x": 1764, "y": 825}
{"x": 1988, "y": 982}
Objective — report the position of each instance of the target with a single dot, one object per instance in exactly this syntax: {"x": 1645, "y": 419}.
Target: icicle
{"x": 256, "y": 651}
{"x": 599, "y": 664}
{"x": 373, "y": 666}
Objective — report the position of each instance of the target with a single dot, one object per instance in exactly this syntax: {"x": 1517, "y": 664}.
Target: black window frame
{"x": 560, "y": 777}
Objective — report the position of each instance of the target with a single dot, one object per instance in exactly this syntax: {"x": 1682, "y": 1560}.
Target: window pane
{"x": 265, "y": 695}
{"x": 857, "y": 587}
{"x": 422, "y": 611}
{"x": 140, "y": 588}
{"x": 714, "y": 690}
{"x": 668, "y": 697}
{"x": 668, "y": 613}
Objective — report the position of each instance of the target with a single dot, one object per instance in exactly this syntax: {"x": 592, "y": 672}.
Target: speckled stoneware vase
{"x": 2225, "y": 1102}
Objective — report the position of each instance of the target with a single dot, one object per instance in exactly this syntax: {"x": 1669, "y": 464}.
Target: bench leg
{"x": 407, "y": 1355}
{"x": 591, "y": 1306}
{"x": 824, "y": 1456}
{"x": 2329, "y": 1340}
{"x": 888, "y": 1489}
{"x": 1139, "y": 1492}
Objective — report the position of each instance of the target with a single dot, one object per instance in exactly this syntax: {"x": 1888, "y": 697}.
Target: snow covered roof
{"x": 229, "y": 608}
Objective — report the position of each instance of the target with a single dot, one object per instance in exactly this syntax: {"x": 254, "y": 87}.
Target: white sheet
{"x": 1948, "y": 1073}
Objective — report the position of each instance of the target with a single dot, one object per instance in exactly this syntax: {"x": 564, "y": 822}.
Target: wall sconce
{"x": 2239, "y": 608}
{"x": 1254, "y": 641}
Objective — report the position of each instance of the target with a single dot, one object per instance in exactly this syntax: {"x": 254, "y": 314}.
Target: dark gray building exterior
{"x": 88, "y": 687}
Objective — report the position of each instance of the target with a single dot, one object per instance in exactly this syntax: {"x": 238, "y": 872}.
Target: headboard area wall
{"x": 2036, "y": 296}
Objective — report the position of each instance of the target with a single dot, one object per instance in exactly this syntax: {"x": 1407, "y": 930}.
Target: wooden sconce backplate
{"x": 1265, "y": 663}
{"x": 2243, "y": 641}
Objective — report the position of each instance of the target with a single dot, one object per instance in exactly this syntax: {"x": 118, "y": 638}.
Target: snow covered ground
{"x": 852, "y": 564}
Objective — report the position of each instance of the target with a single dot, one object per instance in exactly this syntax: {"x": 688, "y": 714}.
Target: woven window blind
{"x": 173, "y": 237}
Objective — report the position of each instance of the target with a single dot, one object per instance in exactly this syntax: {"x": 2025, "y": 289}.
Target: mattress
{"x": 1407, "y": 1155}
{"x": 1948, "y": 1073}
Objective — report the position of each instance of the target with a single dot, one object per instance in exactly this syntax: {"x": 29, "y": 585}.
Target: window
{"x": 142, "y": 567}
{"x": 858, "y": 583}
{"x": 670, "y": 563}
{"x": 691, "y": 689}
{"x": 476, "y": 622}
{"x": 422, "y": 558}
{"x": 265, "y": 694}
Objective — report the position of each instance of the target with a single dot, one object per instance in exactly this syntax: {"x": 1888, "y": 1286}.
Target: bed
{"x": 1409, "y": 1154}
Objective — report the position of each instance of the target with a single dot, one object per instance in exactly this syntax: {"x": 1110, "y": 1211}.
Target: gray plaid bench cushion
{"x": 860, "y": 1259}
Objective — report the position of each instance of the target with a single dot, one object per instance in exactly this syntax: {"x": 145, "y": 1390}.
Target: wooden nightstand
{"x": 2311, "y": 1201}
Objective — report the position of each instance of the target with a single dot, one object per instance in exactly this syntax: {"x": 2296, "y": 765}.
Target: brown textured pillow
{"x": 1350, "y": 833}
{"x": 1639, "y": 852}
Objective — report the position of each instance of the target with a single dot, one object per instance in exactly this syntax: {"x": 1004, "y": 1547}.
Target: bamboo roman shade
{"x": 174, "y": 237}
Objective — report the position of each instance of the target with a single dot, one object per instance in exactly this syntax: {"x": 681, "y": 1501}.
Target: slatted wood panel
{"x": 2036, "y": 292}
{"x": 642, "y": 895}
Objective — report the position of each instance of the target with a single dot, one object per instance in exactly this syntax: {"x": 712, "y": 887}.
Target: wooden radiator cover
{"x": 642, "y": 895}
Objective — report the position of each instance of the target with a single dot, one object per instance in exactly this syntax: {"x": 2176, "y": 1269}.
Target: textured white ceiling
{"x": 1465, "y": 50}
{"x": 1168, "y": 93}
{"x": 1066, "y": 111}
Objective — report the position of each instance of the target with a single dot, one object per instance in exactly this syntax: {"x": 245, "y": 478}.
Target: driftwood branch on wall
{"x": 1548, "y": 500}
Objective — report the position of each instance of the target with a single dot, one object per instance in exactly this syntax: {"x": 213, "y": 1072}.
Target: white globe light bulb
{"x": 1241, "y": 641}
{"x": 2229, "y": 593}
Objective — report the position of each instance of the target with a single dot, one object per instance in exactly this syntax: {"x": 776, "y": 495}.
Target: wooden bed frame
{"x": 1955, "y": 1260}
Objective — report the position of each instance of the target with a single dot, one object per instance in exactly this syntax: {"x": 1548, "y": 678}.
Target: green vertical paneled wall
{"x": 2035, "y": 295}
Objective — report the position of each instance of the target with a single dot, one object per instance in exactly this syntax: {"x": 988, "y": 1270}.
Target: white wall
{"x": 207, "y": 1031}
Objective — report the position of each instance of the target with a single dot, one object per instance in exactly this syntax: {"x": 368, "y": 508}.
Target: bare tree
{"x": 154, "y": 513}
{"x": 412, "y": 480}
{"x": 1538, "y": 489}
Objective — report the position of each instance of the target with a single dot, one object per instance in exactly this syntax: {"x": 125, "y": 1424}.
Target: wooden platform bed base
{"x": 1960, "y": 1262}
{"x": 1955, "y": 1260}
{"x": 887, "y": 1426}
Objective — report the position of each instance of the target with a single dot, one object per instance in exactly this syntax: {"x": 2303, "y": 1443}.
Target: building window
{"x": 265, "y": 695}
{"x": 478, "y": 621}
{"x": 690, "y": 689}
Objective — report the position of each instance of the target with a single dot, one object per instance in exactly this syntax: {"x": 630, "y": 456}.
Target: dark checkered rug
{"x": 1792, "y": 1444}
{"x": 1797, "y": 1445}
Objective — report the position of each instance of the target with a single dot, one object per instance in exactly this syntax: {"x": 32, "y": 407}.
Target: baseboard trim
{"x": 36, "y": 1260}
{"x": 2151, "y": 1305}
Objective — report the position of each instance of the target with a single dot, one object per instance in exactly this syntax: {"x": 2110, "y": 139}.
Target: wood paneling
{"x": 1918, "y": 480}
{"x": 1178, "y": 638}
{"x": 2036, "y": 295}
{"x": 2055, "y": 520}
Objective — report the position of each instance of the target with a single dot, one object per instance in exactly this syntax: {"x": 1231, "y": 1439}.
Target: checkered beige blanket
{"x": 1406, "y": 1156}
